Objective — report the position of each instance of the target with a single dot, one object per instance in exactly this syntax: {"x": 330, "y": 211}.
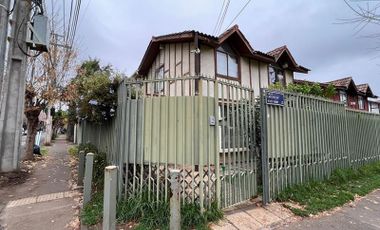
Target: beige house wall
{"x": 289, "y": 77}
{"x": 179, "y": 61}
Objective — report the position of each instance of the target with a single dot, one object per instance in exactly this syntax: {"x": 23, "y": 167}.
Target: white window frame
{"x": 228, "y": 56}
{"x": 343, "y": 97}
{"x": 361, "y": 102}
{"x": 274, "y": 74}
{"x": 159, "y": 75}
{"x": 222, "y": 148}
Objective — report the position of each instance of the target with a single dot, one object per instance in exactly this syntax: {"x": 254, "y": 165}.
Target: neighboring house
{"x": 228, "y": 56}
{"x": 355, "y": 96}
{"x": 359, "y": 97}
{"x": 374, "y": 105}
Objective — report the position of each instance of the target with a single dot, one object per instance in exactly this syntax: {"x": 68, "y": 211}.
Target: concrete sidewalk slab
{"x": 55, "y": 214}
{"x": 250, "y": 216}
{"x": 45, "y": 200}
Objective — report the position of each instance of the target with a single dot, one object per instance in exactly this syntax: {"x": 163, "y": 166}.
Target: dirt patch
{"x": 13, "y": 178}
{"x": 21, "y": 175}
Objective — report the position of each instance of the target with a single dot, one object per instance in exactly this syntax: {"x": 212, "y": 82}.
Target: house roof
{"x": 233, "y": 35}
{"x": 283, "y": 52}
{"x": 347, "y": 82}
{"x": 365, "y": 89}
{"x": 344, "y": 83}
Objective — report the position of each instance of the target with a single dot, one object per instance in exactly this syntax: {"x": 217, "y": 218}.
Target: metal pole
{"x": 12, "y": 97}
{"x": 264, "y": 150}
{"x": 88, "y": 178}
{"x": 109, "y": 200}
{"x": 175, "y": 207}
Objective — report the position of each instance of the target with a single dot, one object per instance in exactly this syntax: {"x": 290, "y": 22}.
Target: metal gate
{"x": 202, "y": 126}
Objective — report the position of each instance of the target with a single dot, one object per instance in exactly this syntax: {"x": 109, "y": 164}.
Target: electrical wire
{"x": 223, "y": 16}
{"x": 242, "y": 9}
{"x": 220, "y": 14}
{"x": 70, "y": 18}
{"x": 76, "y": 21}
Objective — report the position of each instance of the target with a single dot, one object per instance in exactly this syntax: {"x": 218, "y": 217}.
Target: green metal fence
{"x": 306, "y": 138}
{"x": 202, "y": 126}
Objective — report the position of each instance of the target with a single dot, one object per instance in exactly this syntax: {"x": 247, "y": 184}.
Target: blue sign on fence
{"x": 275, "y": 98}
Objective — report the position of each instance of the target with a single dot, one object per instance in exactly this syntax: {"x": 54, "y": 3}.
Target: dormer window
{"x": 361, "y": 102}
{"x": 227, "y": 62}
{"x": 276, "y": 75}
{"x": 343, "y": 97}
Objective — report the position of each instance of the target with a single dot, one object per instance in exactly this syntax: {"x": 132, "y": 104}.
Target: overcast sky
{"x": 118, "y": 32}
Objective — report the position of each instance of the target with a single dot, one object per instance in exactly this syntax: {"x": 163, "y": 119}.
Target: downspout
{"x": 197, "y": 62}
{"x": 259, "y": 74}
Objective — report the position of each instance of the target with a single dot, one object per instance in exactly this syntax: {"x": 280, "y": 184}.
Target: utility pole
{"x": 4, "y": 21}
{"x": 12, "y": 104}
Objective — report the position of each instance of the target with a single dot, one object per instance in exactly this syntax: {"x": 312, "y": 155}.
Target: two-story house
{"x": 228, "y": 56}
{"x": 359, "y": 97}
{"x": 355, "y": 96}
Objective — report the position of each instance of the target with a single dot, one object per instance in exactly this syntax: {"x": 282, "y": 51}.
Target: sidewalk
{"x": 364, "y": 214}
{"x": 45, "y": 200}
{"x": 250, "y": 215}
{"x": 361, "y": 214}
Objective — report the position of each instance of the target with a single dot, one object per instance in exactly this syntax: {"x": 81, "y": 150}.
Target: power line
{"x": 220, "y": 14}
{"x": 70, "y": 18}
{"x": 242, "y": 9}
{"x": 77, "y": 10}
{"x": 223, "y": 16}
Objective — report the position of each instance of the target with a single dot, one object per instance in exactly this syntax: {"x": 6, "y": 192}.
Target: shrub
{"x": 73, "y": 150}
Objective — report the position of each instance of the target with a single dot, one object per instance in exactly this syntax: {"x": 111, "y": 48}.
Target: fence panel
{"x": 306, "y": 138}
{"x": 202, "y": 126}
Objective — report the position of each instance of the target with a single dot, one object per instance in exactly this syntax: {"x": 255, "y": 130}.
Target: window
{"x": 361, "y": 102}
{"x": 159, "y": 86}
{"x": 232, "y": 134}
{"x": 227, "y": 62}
{"x": 276, "y": 75}
{"x": 343, "y": 97}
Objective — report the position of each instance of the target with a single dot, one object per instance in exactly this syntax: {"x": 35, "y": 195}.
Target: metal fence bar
{"x": 162, "y": 124}
{"x": 307, "y": 138}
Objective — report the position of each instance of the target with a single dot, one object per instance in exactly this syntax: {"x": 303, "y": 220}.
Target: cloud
{"x": 119, "y": 32}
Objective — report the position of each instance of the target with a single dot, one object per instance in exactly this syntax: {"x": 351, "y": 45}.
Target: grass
{"x": 44, "y": 151}
{"x": 151, "y": 214}
{"x": 73, "y": 150}
{"x": 341, "y": 188}
{"x": 93, "y": 211}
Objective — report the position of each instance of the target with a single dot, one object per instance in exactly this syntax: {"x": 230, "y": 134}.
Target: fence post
{"x": 264, "y": 150}
{"x": 109, "y": 200}
{"x": 175, "y": 207}
{"x": 88, "y": 178}
{"x": 81, "y": 168}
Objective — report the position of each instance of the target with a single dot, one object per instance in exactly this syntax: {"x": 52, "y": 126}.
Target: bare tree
{"x": 47, "y": 77}
{"x": 365, "y": 12}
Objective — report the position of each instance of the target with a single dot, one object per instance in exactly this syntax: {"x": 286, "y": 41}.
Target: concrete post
{"x": 13, "y": 91}
{"x": 109, "y": 200}
{"x": 4, "y": 21}
{"x": 88, "y": 178}
{"x": 75, "y": 134}
{"x": 81, "y": 167}
{"x": 175, "y": 206}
